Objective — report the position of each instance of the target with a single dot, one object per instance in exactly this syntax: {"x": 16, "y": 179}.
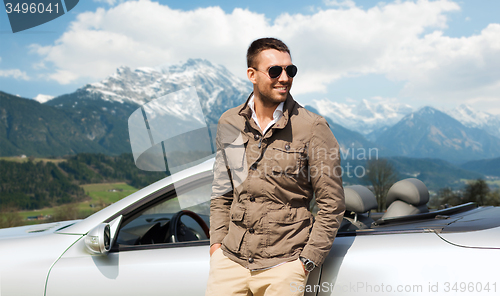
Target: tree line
{"x": 476, "y": 191}
{"x": 34, "y": 185}
{"x": 381, "y": 175}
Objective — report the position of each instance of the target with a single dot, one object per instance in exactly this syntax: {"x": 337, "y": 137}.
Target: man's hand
{"x": 213, "y": 248}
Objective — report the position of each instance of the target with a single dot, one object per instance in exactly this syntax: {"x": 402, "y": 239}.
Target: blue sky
{"x": 440, "y": 53}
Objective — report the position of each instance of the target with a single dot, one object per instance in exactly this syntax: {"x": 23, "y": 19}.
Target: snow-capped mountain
{"x": 142, "y": 84}
{"x": 477, "y": 119}
{"x": 364, "y": 117}
{"x": 431, "y": 133}
{"x": 43, "y": 98}
{"x": 217, "y": 88}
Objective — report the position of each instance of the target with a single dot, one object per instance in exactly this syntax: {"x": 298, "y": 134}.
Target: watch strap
{"x": 308, "y": 264}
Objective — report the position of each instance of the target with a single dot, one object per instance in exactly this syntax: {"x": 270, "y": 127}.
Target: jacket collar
{"x": 246, "y": 112}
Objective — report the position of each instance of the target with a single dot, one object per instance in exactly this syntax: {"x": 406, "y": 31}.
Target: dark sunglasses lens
{"x": 291, "y": 70}
{"x": 275, "y": 71}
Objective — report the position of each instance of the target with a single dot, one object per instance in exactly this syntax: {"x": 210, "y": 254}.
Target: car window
{"x": 182, "y": 216}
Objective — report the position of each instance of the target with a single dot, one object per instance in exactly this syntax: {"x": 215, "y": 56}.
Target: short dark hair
{"x": 262, "y": 44}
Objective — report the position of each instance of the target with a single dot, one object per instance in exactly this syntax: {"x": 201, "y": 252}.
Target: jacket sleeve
{"x": 326, "y": 180}
{"x": 222, "y": 195}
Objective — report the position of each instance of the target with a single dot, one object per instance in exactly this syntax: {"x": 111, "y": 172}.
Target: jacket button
{"x": 287, "y": 147}
{"x": 251, "y": 230}
{"x": 256, "y": 137}
{"x": 250, "y": 260}
{"x": 252, "y": 198}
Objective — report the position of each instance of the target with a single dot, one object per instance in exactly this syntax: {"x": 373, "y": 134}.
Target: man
{"x": 272, "y": 156}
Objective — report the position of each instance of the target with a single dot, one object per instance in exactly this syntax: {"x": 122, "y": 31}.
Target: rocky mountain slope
{"x": 434, "y": 134}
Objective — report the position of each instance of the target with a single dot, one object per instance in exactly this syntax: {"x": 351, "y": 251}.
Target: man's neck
{"x": 264, "y": 110}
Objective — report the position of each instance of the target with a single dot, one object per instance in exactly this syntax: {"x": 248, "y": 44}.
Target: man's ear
{"x": 251, "y": 75}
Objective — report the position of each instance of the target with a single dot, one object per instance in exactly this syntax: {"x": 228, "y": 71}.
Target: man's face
{"x": 271, "y": 91}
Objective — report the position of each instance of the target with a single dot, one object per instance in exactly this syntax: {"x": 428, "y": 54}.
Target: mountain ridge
{"x": 429, "y": 132}
{"x": 95, "y": 117}
{"x": 365, "y": 116}
{"x": 488, "y": 167}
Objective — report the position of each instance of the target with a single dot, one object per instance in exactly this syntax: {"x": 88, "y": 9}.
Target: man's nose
{"x": 283, "y": 77}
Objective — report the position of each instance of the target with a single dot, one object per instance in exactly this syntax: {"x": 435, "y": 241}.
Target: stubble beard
{"x": 270, "y": 101}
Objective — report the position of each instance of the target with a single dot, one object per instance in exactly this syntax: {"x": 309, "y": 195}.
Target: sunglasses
{"x": 275, "y": 71}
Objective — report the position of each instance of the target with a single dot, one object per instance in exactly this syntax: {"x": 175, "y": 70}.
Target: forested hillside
{"x": 30, "y": 185}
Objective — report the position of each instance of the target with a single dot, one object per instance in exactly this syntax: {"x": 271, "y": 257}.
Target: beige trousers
{"x": 227, "y": 277}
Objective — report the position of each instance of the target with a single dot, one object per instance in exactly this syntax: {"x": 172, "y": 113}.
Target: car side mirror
{"x": 98, "y": 240}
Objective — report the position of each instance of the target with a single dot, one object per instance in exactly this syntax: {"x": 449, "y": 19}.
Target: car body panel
{"x": 479, "y": 228}
{"x": 159, "y": 271}
{"x": 487, "y": 238}
{"x": 33, "y": 230}
{"x": 26, "y": 262}
{"x": 414, "y": 262}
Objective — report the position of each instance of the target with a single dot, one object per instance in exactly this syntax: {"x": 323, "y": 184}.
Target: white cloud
{"x": 15, "y": 73}
{"x": 146, "y": 33}
{"x": 402, "y": 40}
{"x": 450, "y": 69}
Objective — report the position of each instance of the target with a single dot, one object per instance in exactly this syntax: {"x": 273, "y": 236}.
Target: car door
{"x": 180, "y": 270}
{"x": 145, "y": 258}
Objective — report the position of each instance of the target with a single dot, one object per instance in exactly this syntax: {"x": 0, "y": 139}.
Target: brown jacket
{"x": 263, "y": 186}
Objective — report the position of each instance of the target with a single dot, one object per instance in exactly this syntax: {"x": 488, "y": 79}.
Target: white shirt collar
{"x": 278, "y": 112}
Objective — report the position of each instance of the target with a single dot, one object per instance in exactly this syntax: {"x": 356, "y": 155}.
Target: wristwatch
{"x": 308, "y": 264}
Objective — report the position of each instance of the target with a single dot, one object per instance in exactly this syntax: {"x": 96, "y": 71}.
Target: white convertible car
{"x": 155, "y": 242}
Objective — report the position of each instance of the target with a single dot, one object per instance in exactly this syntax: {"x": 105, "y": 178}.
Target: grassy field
{"x": 25, "y": 159}
{"x": 108, "y": 192}
{"x": 493, "y": 184}
{"x": 101, "y": 195}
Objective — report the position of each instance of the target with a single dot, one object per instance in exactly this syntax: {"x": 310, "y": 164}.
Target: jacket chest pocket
{"x": 236, "y": 158}
{"x": 287, "y": 159}
{"x": 235, "y": 152}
